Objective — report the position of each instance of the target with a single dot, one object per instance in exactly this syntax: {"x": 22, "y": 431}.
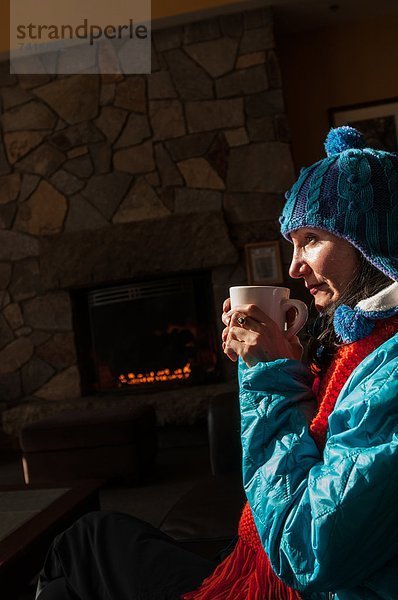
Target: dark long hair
{"x": 323, "y": 342}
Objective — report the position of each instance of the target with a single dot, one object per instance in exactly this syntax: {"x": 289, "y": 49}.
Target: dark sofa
{"x": 205, "y": 519}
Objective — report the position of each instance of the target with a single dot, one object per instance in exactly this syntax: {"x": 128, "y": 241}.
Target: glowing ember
{"x": 153, "y": 377}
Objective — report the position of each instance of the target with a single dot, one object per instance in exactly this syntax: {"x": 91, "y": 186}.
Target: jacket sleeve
{"x": 326, "y": 519}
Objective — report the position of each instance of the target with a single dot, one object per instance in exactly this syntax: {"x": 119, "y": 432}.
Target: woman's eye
{"x": 310, "y": 238}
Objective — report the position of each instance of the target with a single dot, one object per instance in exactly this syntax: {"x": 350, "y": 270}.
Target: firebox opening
{"x": 147, "y": 335}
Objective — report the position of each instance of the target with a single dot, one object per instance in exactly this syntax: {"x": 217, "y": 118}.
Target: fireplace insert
{"x": 147, "y": 335}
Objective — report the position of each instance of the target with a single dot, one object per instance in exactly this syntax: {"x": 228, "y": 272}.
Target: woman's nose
{"x": 298, "y": 268}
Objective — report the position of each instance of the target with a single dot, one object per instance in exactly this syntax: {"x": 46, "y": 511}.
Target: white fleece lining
{"x": 384, "y": 300}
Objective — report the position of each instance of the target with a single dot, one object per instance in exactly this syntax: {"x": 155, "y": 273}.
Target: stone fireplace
{"x": 113, "y": 181}
{"x": 149, "y": 335}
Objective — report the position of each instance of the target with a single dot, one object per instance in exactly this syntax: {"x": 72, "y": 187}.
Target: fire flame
{"x": 153, "y": 377}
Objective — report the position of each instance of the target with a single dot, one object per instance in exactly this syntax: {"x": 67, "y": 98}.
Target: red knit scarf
{"x": 246, "y": 574}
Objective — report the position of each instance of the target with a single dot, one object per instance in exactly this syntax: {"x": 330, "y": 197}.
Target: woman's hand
{"x": 254, "y": 336}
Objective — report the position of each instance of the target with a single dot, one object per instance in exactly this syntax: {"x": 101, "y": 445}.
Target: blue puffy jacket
{"x": 327, "y": 520}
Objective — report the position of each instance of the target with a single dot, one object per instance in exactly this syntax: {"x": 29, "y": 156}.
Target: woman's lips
{"x": 314, "y": 289}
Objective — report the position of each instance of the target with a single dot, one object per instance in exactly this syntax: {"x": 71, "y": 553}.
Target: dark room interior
{"x": 129, "y": 205}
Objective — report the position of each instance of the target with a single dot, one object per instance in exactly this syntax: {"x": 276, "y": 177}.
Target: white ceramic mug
{"x": 274, "y": 302}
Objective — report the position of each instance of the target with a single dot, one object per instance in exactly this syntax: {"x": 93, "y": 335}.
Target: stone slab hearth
{"x": 138, "y": 176}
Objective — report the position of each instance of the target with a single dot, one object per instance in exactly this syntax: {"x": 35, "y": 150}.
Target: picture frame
{"x": 263, "y": 263}
{"x": 378, "y": 121}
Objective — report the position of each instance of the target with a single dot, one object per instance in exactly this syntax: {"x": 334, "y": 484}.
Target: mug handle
{"x": 301, "y": 316}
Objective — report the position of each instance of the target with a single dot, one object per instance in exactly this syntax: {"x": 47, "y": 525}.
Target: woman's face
{"x": 326, "y": 262}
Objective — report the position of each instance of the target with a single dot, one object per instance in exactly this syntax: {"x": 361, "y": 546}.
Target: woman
{"x": 320, "y": 451}
{"x": 320, "y": 463}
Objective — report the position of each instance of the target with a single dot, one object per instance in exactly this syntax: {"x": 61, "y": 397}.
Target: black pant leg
{"x": 113, "y": 556}
{"x": 56, "y": 589}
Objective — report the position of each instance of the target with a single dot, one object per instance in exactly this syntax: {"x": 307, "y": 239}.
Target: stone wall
{"x": 102, "y": 176}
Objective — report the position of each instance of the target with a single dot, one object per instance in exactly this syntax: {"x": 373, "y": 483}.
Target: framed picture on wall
{"x": 378, "y": 121}
{"x": 263, "y": 263}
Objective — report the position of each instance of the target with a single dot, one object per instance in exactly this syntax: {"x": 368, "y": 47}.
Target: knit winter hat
{"x": 353, "y": 193}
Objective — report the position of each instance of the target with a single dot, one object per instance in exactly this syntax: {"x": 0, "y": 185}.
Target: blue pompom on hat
{"x": 353, "y": 193}
{"x": 343, "y": 138}
{"x": 351, "y": 325}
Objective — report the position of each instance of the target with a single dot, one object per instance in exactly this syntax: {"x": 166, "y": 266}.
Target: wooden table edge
{"x": 17, "y": 542}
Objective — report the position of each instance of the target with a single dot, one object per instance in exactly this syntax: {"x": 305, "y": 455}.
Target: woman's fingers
{"x": 224, "y": 334}
{"x": 239, "y": 319}
{"x": 226, "y": 305}
{"x": 242, "y": 335}
{"x": 254, "y": 336}
{"x": 251, "y": 310}
{"x": 229, "y": 351}
{"x": 233, "y": 340}
{"x": 236, "y": 346}
{"x": 225, "y": 319}
{"x": 241, "y": 311}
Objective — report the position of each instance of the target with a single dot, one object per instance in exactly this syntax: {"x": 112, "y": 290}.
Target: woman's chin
{"x": 322, "y": 301}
